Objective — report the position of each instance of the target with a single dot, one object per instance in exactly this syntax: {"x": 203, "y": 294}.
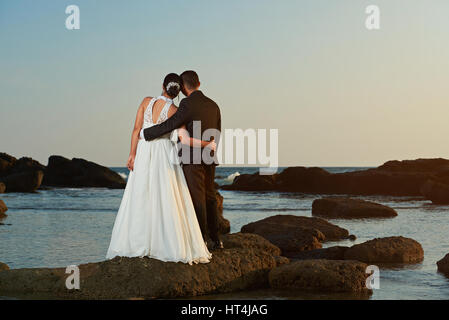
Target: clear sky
{"x": 339, "y": 94}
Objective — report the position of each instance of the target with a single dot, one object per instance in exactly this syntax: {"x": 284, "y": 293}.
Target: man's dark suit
{"x": 199, "y": 175}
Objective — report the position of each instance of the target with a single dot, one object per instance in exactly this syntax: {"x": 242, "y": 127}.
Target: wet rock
{"x": 436, "y": 191}
{"x": 321, "y": 275}
{"x": 3, "y": 209}
{"x": 347, "y": 208}
{"x": 231, "y": 269}
{"x": 3, "y": 266}
{"x": 293, "y": 234}
{"x": 78, "y": 173}
{"x": 249, "y": 241}
{"x": 443, "y": 265}
{"x": 387, "y": 250}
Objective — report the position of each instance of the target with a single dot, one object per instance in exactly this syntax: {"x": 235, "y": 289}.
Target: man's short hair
{"x": 190, "y": 79}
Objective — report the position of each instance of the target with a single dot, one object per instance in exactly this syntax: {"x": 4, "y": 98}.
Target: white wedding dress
{"x": 156, "y": 216}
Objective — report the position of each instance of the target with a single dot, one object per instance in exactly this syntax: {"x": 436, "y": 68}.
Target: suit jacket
{"x": 196, "y": 107}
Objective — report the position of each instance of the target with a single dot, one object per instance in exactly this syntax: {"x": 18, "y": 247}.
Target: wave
{"x": 232, "y": 176}
{"x": 123, "y": 175}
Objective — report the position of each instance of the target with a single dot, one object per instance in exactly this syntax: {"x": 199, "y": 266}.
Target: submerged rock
{"x": 293, "y": 234}
{"x": 78, "y": 173}
{"x": 243, "y": 265}
{"x": 387, "y": 250}
{"x": 443, "y": 265}
{"x": 347, "y": 208}
{"x": 321, "y": 275}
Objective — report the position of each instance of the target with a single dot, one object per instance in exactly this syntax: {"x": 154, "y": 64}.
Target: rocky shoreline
{"x": 281, "y": 252}
{"x": 28, "y": 175}
{"x": 249, "y": 261}
{"x": 422, "y": 177}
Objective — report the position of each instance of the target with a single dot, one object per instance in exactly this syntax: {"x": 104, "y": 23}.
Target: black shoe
{"x": 217, "y": 245}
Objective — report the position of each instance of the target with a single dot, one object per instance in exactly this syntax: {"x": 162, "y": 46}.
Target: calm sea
{"x": 60, "y": 227}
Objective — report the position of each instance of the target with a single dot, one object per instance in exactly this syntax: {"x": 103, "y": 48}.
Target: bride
{"x": 156, "y": 217}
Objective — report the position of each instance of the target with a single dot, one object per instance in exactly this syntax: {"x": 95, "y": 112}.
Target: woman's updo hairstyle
{"x": 172, "y": 84}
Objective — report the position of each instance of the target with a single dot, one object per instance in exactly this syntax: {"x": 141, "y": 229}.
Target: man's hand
{"x": 130, "y": 163}
{"x": 212, "y": 145}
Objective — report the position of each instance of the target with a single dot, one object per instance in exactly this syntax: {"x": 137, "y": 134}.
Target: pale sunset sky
{"x": 339, "y": 94}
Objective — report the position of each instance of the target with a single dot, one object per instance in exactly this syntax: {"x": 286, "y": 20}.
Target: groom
{"x": 199, "y": 174}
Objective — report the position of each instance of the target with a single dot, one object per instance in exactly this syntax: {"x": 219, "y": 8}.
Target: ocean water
{"x": 60, "y": 227}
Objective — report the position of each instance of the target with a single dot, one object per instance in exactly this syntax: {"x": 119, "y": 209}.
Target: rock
{"x": 252, "y": 182}
{"x": 6, "y": 163}
{"x": 387, "y": 250}
{"x": 436, "y": 191}
{"x": 27, "y": 181}
{"x": 395, "y": 178}
{"x": 23, "y": 175}
{"x": 3, "y": 266}
{"x": 78, "y": 173}
{"x": 3, "y": 209}
{"x": 347, "y": 208}
{"x": 321, "y": 275}
{"x": 224, "y": 226}
{"x": 331, "y": 253}
{"x": 293, "y": 234}
{"x": 249, "y": 241}
{"x": 443, "y": 265}
{"x": 301, "y": 179}
{"x": 231, "y": 269}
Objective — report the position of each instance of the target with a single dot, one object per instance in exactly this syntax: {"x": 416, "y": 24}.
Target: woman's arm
{"x": 186, "y": 139}
{"x": 135, "y": 134}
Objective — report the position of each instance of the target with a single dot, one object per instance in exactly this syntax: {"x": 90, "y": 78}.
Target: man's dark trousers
{"x": 200, "y": 180}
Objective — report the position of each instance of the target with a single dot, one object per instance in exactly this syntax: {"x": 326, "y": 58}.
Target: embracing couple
{"x": 169, "y": 208}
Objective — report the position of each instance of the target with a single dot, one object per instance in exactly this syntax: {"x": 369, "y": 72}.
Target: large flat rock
{"x": 243, "y": 265}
